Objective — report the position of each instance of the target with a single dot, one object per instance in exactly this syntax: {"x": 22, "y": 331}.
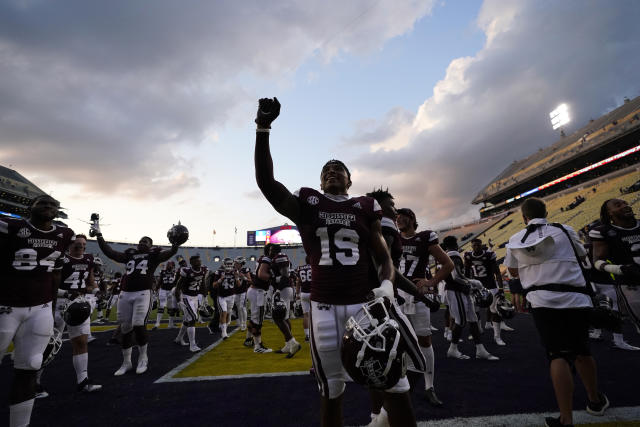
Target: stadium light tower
{"x": 560, "y": 117}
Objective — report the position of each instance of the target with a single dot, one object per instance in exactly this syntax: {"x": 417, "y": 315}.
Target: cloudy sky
{"x": 143, "y": 111}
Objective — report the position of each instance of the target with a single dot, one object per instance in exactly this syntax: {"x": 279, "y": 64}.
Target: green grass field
{"x": 232, "y": 358}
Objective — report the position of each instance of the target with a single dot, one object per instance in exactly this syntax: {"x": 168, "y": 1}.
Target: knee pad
{"x": 32, "y": 363}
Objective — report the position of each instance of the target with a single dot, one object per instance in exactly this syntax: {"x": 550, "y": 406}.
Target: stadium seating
{"x": 582, "y": 215}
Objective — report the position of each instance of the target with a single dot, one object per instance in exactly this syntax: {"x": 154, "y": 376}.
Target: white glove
{"x": 476, "y": 284}
{"x": 385, "y": 290}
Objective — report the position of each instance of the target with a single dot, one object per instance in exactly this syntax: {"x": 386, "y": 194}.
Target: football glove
{"x": 475, "y": 284}
{"x": 94, "y": 229}
{"x": 268, "y": 111}
{"x": 385, "y": 290}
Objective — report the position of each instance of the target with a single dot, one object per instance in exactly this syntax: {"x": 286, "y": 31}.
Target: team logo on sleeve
{"x": 24, "y": 232}
{"x": 313, "y": 200}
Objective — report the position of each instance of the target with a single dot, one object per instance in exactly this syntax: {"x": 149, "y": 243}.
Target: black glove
{"x": 632, "y": 272}
{"x": 268, "y": 111}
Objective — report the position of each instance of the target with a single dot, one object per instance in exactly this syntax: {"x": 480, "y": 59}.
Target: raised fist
{"x": 268, "y": 111}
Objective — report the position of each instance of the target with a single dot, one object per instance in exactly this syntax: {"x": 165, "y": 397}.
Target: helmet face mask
{"x": 373, "y": 350}
{"x": 505, "y": 309}
{"x": 227, "y": 265}
{"x": 52, "y": 348}
{"x": 483, "y": 298}
{"x": 77, "y": 312}
{"x": 279, "y": 308}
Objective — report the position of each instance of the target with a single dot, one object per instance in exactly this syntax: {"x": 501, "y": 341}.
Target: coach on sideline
{"x": 543, "y": 257}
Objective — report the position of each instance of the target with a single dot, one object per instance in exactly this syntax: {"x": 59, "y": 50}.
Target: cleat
{"x": 432, "y": 398}
{"x": 142, "y": 366}
{"x": 41, "y": 393}
{"x": 504, "y": 327}
{"x": 87, "y": 386}
{"x": 283, "y": 350}
{"x": 293, "y": 350}
{"x": 181, "y": 342}
{"x": 194, "y": 349}
{"x": 91, "y": 338}
{"x": 598, "y": 409}
{"x": 554, "y": 422}
{"x": 126, "y": 367}
{"x": 485, "y": 355}
{"x": 243, "y": 327}
{"x": 433, "y": 328}
{"x": 499, "y": 341}
{"x": 623, "y": 345}
{"x": 455, "y": 354}
{"x": 260, "y": 348}
{"x": 248, "y": 342}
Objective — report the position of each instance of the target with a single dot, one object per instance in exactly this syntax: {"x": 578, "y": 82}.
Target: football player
{"x": 165, "y": 298}
{"x": 616, "y": 251}
{"x": 98, "y": 277}
{"x": 461, "y": 305}
{"x": 227, "y": 281}
{"x": 417, "y": 247}
{"x": 303, "y": 288}
{"x": 282, "y": 289}
{"x": 256, "y": 296}
{"x": 114, "y": 294}
{"x": 135, "y": 298}
{"x": 340, "y": 234}
{"x": 77, "y": 282}
{"x": 480, "y": 264}
{"x": 190, "y": 286}
{"x": 31, "y": 251}
{"x": 241, "y": 291}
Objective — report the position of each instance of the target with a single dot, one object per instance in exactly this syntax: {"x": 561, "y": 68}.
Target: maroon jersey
{"x": 415, "y": 254}
{"x": 481, "y": 267}
{"x": 140, "y": 269}
{"x": 623, "y": 244}
{"x": 392, "y": 237}
{"x": 304, "y": 274}
{"x": 28, "y": 257}
{"x": 166, "y": 279}
{"x": 257, "y": 282}
{"x": 335, "y": 232}
{"x": 115, "y": 286}
{"x": 75, "y": 272}
{"x": 244, "y": 282}
{"x": 227, "y": 286}
{"x": 279, "y": 264}
{"x": 193, "y": 280}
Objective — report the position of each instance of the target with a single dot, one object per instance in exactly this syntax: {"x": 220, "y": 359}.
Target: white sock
{"x": 224, "y": 328}
{"x": 159, "y": 318}
{"x": 20, "y": 413}
{"x": 191, "y": 332}
{"x": 80, "y": 364}
{"x": 480, "y": 348}
{"x": 496, "y": 329}
{"x": 142, "y": 351}
{"x": 428, "y": 374}
{"x": 181, "y": 332}
{"x": 100, "y": 315}
{"x": 257, "y": 340}
{"x": 126, "y": 355}
{"x": 306, "y": 332}
{"x": 453, "y": 347}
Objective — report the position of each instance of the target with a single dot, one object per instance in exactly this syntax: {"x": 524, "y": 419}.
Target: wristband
{"x": 263, "y": 130}
{"x": 609, "y": 268}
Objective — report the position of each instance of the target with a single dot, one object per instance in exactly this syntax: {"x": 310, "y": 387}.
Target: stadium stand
{"x": 606, "y": 187}
{"x": 17, "y": 193}
{"x": 466, "y": 232}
